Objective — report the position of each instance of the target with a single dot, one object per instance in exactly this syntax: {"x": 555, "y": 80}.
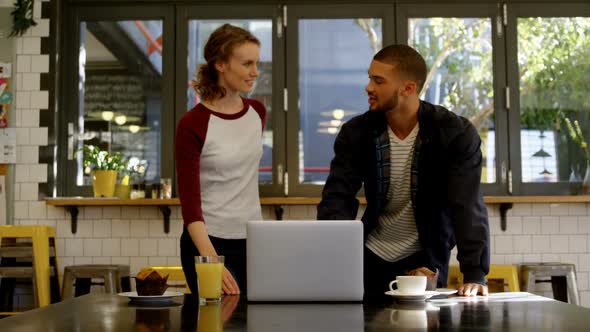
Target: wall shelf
{"x": 72, "y": 203}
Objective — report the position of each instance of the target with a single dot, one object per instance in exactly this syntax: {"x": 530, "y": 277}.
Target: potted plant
{"x": 104, "y": 168}
{"x": 575, "y": 132}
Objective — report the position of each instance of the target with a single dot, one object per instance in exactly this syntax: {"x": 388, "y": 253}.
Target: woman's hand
{"x": 229, "y": 285}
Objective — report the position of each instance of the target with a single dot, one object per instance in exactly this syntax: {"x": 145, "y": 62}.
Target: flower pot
{"x": 103, "y": 183}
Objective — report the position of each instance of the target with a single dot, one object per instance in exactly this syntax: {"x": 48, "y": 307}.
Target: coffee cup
{"x": 409, "y": 285}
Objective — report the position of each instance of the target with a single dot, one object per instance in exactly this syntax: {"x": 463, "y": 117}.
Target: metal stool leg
{"x": 110, "y": 283}
{"x": 572, "y": 288}
{"x": 67, "y": 284}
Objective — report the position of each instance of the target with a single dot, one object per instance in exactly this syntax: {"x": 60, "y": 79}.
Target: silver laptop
{"x": 296, "y": 260}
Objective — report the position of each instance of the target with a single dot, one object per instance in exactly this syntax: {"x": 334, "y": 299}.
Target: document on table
{"x": 495, "y": 297}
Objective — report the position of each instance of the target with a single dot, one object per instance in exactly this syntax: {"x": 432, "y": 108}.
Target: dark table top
{"x": 501, "y": 311}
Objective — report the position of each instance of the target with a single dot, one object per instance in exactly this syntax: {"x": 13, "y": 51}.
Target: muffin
{"x": 149, "y": 282}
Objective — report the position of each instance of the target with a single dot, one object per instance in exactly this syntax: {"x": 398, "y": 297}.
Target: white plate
{"x": 403, "y": 297}
{"x": 446, "y": 291}
{"x": 167, "y": 297}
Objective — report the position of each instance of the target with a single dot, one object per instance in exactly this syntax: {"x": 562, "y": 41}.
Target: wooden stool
{"x": 175, "y": 273}
{"x": 507, "y": 273}
{"x": 41, "y": 237}
{"x": 563, "y": 279}
{"x": 116, "y": 279}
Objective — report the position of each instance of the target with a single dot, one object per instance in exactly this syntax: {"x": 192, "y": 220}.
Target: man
{"x": 421, "y": 167}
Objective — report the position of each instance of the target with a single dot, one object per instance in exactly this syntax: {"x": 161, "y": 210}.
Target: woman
{"x": 218, "y": 150}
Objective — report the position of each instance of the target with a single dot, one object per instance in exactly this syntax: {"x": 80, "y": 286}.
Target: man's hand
{"x": 472, "y": 289}
{"x": 229, "y": 286}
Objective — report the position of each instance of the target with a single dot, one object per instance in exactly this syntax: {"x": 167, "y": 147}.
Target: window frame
{"x": 69, "y": 97}
{"x": 516, "y": 11}
{"x": 405, "y": 12}
{"x": 295, "y": 13}
{"x": 214, "y": 12}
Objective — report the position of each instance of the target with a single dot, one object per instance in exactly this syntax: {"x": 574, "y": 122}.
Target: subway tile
{"x": 18, "y": 79}
{"x": 37, "y": 9}
{"x": 582, "y": 279}
{"x": 23, "y": 99}
{"x": 531, "y": 225}
{"x": 23, "y": 63}
{"x": 495, "y": 227}
{"x": 522, "y": 244}
{"x": 559, "y": 209}
{"x": 550, "y": 258}
{"x": 585, "y": 299}
{"x": 120, "y": 260}
{"x": 21, "y": 173}
{"x": 65, "y": 261}
{"x": 29, "y": 191}
{"x": 47, "y": 222}
{"x": 74, "y": 247}
{"x": 16, "y": 191}
{"x": 493, "y": 210}
{"x": 39, "y": 136}
{"x": 30, "y": 118}
{"x": 584, "y": 225}
{"x": 27, "y": 155}
{"x": 63, "y": 229}
{"x": 157, "y": 261}
{"x": 148, "y": 247}
{"x": 92, "y": 247}
{"x": 568, "y": 225}
{"x": 541, "y": 243}
{"x": 31, "y": 45}
{"x": 37, "y": 210}
{"x": 38, "y": 173}
{"x": 111, "y": 212}
{"x": 60, "y": 245}
{"x": 101, "y": 228}
{"x": 91, "y": 212}
{"x": 40, "y": 63}
{"x": 40, "y": 99}
{"x": 120, "y": 228}
{"x": 559, "y": 244}
{"x": 513, "y": 225}
{"x": 156, "y": 228}
{"x": 569, "y": 259}
{"x": 54, "y": 212}
{"x": 23, "y": 136}
{"x": 79, "y": 260}
{"x": 531, "y": 258}
{"x": 21, "y": 209}
{"x": 503, "y": 244}
{"x": 176, "y": 228}
{"x": 111, "y": 247}
{"x": 139, "y": 228}
{"x": 513, "y": 259}
{"x": 524, "y": 209}
{"x": 101, "y": 260}
{"x": 577, "y": 209}
{"x": 578, "y": 243}
{"x": 583, "y": 263}
{"x": 84, "y": 229}
{"x": 30, "y": 81}
{"x": 130, "y": 247}
{"x": 174, "y": 261}
{"x": 167, "y": 247}
{"x": 549, "y": 225}
{"x": 149, "y": 212}
{"x": 541, "y": 209}
{"x": 497, "y": 259}
{"x": 42, "y": 28}
{"x": 130, "y": 212}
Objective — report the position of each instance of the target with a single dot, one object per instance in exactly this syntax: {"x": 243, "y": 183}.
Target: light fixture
{"x": 134, "y": 128}
{"x": 107, "y": 115}
{"x": 120, "y": 119}
{"x": 335, "y": 123}
{"x": 338, "y": 114}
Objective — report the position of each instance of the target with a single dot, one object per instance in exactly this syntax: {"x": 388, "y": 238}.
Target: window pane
{"x": 120, "y": 90}
{"x": 458, "y": 52}
{"x": 198, "y": 34}
{"x": 334, "y": 56}
{"x": 554, "y": 74}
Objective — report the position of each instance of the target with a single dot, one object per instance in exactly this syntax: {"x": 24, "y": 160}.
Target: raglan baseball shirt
{"x": 217, "y": 160}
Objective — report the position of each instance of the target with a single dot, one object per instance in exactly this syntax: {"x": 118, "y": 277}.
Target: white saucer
{"x": 167, "y": 297}
{"x": 404, "y": 297}
{"x": 446, "y": 291}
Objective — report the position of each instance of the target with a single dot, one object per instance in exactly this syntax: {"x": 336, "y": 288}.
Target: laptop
{"x": 305, "y": 260}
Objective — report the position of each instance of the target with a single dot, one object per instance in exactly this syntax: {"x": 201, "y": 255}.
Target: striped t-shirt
{"x": 396, "y": 236}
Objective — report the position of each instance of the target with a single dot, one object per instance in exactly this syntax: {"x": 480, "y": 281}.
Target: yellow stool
{"x": 507, "y": 273}
{"x": 40, "y": 236}
{"x": 175, "y": 273}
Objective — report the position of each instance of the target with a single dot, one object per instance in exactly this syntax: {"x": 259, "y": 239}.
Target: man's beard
{"x": 389, "y": 106}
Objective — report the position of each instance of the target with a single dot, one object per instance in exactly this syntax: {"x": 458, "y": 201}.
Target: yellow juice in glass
{"x": 209, "y": 278}
{"x": 210, "y": 318}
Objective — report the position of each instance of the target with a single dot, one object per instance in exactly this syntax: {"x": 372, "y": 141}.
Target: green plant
{"x": 576, "y": 135}
{"x": 22, "y": 17}
{"x": 101, "y": 160}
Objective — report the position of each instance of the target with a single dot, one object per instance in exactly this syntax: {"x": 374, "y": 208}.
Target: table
{"x": 501, "y": 311}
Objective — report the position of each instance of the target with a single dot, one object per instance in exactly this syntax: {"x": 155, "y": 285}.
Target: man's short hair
{"x": 406, "y": 60}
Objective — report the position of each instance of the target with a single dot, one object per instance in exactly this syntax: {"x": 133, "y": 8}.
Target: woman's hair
{"x": 219, "y": 47}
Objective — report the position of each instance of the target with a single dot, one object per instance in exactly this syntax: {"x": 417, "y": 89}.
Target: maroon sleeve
{"x": 190, "y": 137}
{"x": 260, "y": 109}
